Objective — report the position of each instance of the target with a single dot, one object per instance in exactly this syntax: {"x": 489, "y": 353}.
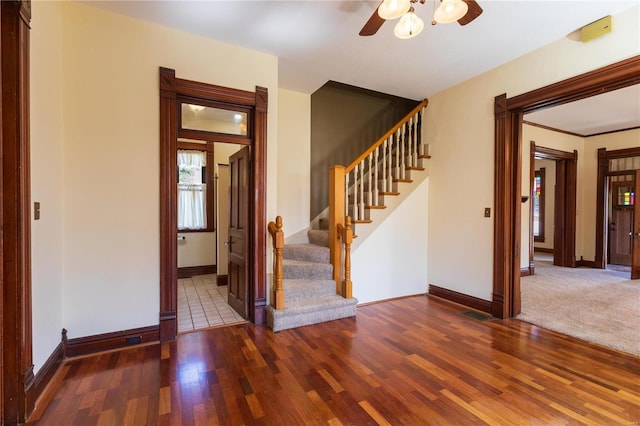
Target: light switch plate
{"x": 36, "y": 210}
{"x": 487, "y": 212}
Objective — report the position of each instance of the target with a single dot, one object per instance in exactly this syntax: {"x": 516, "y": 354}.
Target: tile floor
{"x": 202, "y": 303}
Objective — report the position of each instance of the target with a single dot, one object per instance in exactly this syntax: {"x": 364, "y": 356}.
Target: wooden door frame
{"x": 170, "y": 89}
{"x": 565, "y": 203}
{"x": 17, "y": 382}
{"x": 508, "y": 113}
{"x": 601, "y": 198}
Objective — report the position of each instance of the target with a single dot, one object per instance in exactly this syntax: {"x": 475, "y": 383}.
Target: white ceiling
{"x": 317, "y": 40}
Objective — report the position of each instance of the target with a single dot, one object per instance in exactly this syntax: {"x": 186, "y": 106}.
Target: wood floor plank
{"x": 403, "y": 362}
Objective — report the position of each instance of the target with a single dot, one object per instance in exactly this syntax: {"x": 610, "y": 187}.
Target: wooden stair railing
{"x": 345, "y": 233}
{"x": 362, "y": 185}
{"x": 275, "y": 229}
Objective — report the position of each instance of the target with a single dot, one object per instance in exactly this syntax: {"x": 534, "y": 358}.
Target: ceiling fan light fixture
{"x": 392, "y": 9}
{"x": 409, "y": 26}
{"x": 450, "y": 10}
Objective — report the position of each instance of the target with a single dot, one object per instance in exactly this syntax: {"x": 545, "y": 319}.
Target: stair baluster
{"x": 387, "y": 159}
{"x": 275, "y": 229}
{"x": 375, "y": 177}
{"x": 403, "y": 139}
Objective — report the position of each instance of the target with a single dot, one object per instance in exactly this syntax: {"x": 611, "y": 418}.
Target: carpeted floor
{"x": 600, "y": 306}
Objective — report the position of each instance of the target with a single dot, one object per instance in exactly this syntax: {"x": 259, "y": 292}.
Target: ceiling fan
{"x": 463, "y": 11}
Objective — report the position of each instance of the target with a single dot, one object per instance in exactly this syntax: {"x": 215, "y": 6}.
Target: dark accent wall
{"x": 345, "y": 121}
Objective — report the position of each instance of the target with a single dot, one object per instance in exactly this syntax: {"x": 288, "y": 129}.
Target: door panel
{"x": 238, "y": 215}
{"x": 635, "y": 256}
{"x": 222, "y": 227}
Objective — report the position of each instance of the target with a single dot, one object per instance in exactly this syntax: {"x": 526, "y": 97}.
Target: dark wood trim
{"x": 46, "y": 373}
{"x": 195, "y": 146}
{"x": 552, "y": 153}
{"x": 586, "y": 264}
{"x": 566, "y": 132}
{"x": 190, "y": 271}
{"x": 461, "y": 298}
{"x": 613, "y": 131}
{"x": 258, "y": 220}
{"x": 17, "y": 379}
{"x": 506, "y": 273}
{"x": 544, "y": 250}
{"x": 602, "y": 195}
{"x": 222, "y": 279}
{"x": 168, "y": 207}
{"x": 507, "y": 150}
{"x": 172, "y": 88}
{"x": 108, "y": 341}
{"x": 611, "y": 77}
{"x": 553, "y": 129}
{"x": 526, "y": 271}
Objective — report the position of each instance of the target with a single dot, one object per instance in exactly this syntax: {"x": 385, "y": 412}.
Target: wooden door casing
{"x": 635, "y": 246}
{"x": 238, "y": 213}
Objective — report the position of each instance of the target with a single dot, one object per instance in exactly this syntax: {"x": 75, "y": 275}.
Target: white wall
{"x": 294, "y": 150}
{"x": 111, "y": 139}
{"x": 47, "y": 234}
{"x": 460, "y": 129}
{"x": 392, "y": 261}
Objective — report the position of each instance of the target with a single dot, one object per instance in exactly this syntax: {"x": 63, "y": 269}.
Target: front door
{"x": 238, "y": 281}
{"x": 635, "y": 256}
{"x": 621, "y": 223}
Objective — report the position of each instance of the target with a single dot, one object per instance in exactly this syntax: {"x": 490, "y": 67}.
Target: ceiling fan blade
{"x": 373, "y": 24}
{"x": 474, "y": 11}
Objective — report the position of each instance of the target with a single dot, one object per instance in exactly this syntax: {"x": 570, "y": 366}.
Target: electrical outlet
{"x": 36, "y": 210}
{"x": 133, "y": 340}
{"x": 487, "y": 212}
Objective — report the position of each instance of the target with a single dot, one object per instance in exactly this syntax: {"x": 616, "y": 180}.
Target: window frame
{"x": 207, "y": 148}
{"x": 541, "y": 229}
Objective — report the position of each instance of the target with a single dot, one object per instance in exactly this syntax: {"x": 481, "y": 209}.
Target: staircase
{"x": 309, "y": 287}
{"x": 312, "y": 282}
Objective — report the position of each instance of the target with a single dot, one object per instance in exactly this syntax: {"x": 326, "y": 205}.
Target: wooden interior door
{"x": 635, "y": 249}
{"x": 238, "y": 281}
{"x": 620, "y": 224}
{"x": 222, "y": 225}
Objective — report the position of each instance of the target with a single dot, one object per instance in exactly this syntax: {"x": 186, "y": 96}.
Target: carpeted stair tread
{"x": 310, "y": 311}
{"x": 319, "y": 237}
{"x": 306, "y": 252}
{"x": 299, "y": 269}
{"x": 305, "y": 288}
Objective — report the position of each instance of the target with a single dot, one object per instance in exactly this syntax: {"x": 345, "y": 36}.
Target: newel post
{"x": 336, "y": 217}
{"x": 347, "y": 238}
{"x": 275, "y": 229}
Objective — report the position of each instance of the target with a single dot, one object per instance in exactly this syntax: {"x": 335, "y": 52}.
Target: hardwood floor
{"x": 409, "y": 361}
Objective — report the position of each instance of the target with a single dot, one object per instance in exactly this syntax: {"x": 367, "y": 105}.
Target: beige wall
{"x": 109, "y": 113}
{"x": 460, "y": 129}
{"x": 47, "y": 185}
{"x": 294, "y": 135}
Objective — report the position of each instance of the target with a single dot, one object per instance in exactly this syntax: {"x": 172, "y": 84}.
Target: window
{"x": 538, "y": 205}
{"x": 195, "y": 191}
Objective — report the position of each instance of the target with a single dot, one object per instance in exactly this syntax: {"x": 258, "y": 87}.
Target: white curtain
{"x": 192, "y": 213}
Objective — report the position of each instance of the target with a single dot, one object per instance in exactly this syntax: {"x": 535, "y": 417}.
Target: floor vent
{"x": 478, "y": 316}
